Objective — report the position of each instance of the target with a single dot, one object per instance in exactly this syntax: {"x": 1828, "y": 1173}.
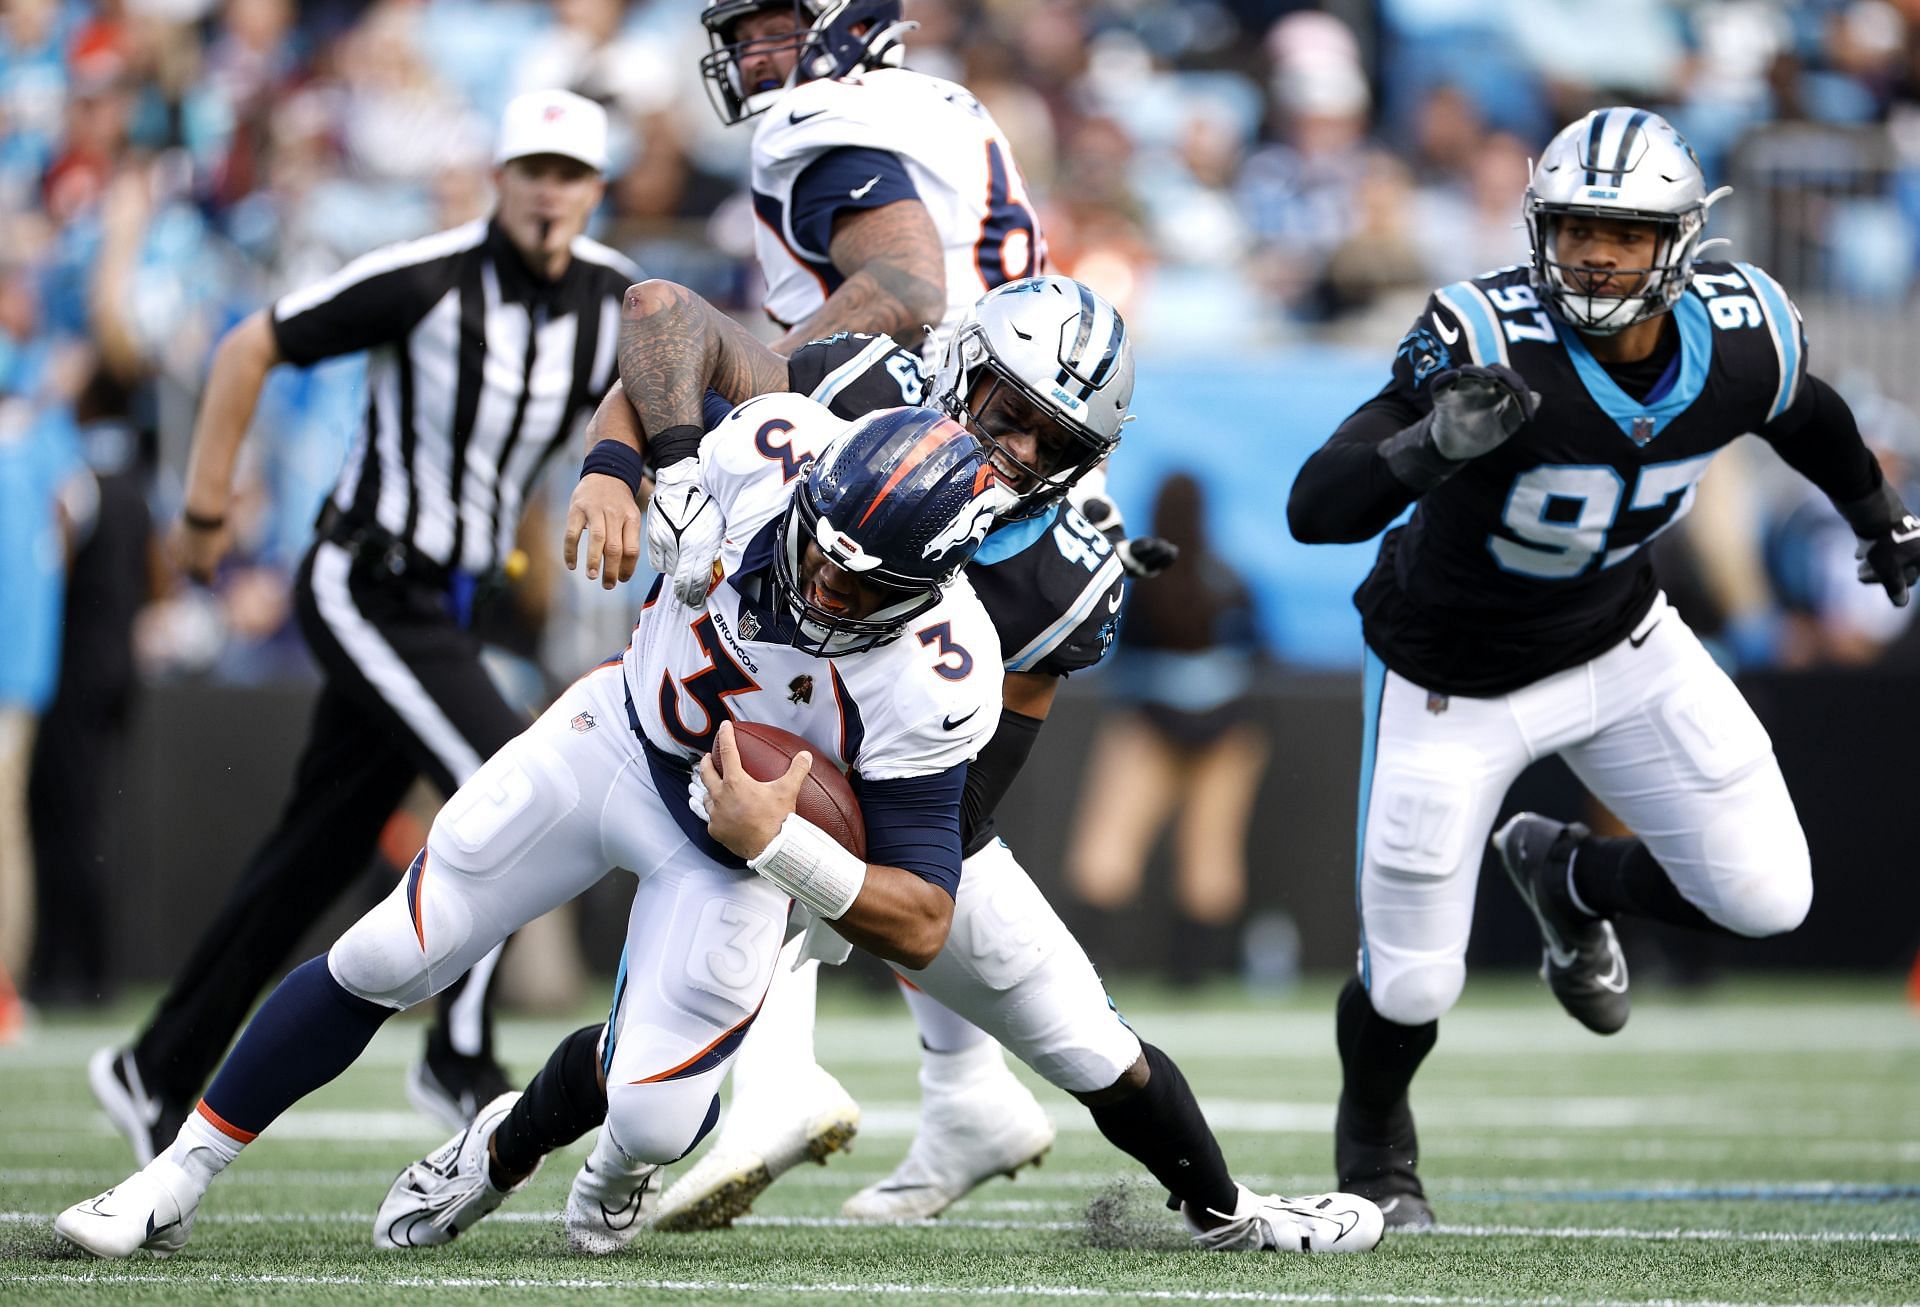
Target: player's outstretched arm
{"x": 886, "y": 910}
{"x": 240, "y": 365}
{"x": 1819, "y": 438}
{"x": 674, "y": 347}
{"x": 896, "y": 279}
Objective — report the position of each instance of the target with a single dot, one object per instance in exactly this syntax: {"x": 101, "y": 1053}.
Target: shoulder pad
{"x": 1788, "y": 335}
{"x": 856, "y": 373}
{"x": 831, "y": 114}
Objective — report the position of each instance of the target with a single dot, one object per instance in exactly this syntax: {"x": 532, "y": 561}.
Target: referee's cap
{"x": 554, "y": 122}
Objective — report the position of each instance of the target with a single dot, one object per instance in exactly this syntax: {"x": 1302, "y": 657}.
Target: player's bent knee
{"x": 660, "y": 1122}
{"x": 380, "y": 959}
{"x": 1417, "y": 995}
{"x": 1762, "y": 872}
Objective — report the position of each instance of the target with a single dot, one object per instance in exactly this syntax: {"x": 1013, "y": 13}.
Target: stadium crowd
{"x": 1245, "y": 174}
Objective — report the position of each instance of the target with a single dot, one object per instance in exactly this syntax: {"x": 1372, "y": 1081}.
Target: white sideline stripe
{"x": 887, "y": 1289}
{"x": 385, "y": 669}
{"x": 1613, "y": 1232}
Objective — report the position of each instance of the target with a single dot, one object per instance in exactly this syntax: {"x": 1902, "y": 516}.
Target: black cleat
{"x": 148, "y": 1121}
{"x": 1581, "y": 958}
{"x": 452, "y": 1087}
{"x": 1379, "y": 1164}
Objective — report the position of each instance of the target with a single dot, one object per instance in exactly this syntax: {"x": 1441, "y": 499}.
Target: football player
{"x": 843, "y": 554}
{"x": 887, "y": 199}
{"x": 1545, "y": 422}
{"x": 1051, "y": 584}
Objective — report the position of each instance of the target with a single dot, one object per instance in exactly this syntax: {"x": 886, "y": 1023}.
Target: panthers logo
{"x": 1425, "y": 355}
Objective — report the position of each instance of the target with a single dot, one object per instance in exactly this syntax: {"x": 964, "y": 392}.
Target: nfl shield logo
{"x": 1642, "y": 430}
{"x": 1436, "y": 703}
{"x": 749, "y": 626}
{"x": 584, "y": 722}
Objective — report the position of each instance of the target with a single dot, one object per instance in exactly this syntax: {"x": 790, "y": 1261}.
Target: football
{"x": 826, "y": 799}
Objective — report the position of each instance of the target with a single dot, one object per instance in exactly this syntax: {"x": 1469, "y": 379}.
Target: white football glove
{"x": 684, "y": 531}
{"x": 697, "y": 797}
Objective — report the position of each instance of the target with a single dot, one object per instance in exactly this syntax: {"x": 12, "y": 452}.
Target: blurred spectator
{"x": 46, "y": 505}
{"x": 1181, "y": 750}
{"x": 584, "y": 52}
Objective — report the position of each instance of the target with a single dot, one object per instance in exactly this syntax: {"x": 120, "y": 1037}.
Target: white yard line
{"x": 850, "y": 1289}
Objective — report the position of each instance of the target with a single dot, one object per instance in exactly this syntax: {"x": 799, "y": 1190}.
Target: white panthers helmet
{"x": 1064, "y": 350}
{"x": 1622, "y": 163}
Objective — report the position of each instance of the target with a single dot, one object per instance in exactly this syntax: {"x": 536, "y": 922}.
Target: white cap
{"x": 554, "y": 122}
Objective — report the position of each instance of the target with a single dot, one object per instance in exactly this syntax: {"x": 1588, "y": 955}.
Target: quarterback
{"x": 842, "y": 550}
{"x": 1051, "y": 584}
{"x": 1545, "y": 422}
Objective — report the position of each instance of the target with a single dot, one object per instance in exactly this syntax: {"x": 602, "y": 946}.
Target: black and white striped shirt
{"x": 477, "y": 372}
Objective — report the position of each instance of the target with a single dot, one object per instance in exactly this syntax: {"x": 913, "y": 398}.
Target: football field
{"x": 1758, "y": 1144}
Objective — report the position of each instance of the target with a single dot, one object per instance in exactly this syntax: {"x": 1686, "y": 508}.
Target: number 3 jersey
{"x": 869, "y": 140}
{"x": 1531, "y": 559}
{"x": 917, "y": 705}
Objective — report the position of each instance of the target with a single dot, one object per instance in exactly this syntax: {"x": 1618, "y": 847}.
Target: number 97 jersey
{"x": 842, "y": 145}
{"x": 1531, "y": 559}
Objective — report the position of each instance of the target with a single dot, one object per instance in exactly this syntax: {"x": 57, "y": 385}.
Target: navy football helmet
{"x": 825, "y": 40}
{"x": 901, "y": 500}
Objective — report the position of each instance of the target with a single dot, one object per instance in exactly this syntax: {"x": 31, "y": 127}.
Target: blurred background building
{"x": 1268, "y": 189}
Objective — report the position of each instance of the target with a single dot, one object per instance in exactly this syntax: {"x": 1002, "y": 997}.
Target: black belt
{"x": 381, "y": 551}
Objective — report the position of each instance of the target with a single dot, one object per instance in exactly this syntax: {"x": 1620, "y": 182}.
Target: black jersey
{"x": 855, "y": 373}
{"x": 1529, "y": 560}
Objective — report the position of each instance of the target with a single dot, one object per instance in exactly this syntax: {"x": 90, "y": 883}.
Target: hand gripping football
{"x": 826, "y": 799}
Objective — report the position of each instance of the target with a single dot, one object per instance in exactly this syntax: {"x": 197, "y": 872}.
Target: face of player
{"x": 770, "y": 51}
{"x": 1605, "y": 256}
{"x": 1025, "y": 443}
{"x": 838, "y": 591}
{"x": 545, "y": 201}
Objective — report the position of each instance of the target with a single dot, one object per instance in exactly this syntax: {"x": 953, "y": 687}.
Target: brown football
{"x": 826, "y": 799}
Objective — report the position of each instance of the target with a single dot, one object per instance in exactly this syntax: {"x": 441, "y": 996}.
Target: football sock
{"x": 942, "y": 1030}
{"x": 1161, "y": 1127}
{"x": 202, "y": 1150}
{"x": 561, "y": 1103}
{"x": 1619, "y": 877}
{"x": 308, "y": 1031}
{"x": 1377, "y": 1057}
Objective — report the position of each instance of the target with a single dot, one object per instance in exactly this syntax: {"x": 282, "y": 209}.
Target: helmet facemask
{"x": 823, "y": 45}
{"x": 1605, "y": 311}
{"x": 829, "y": 632}
{"x": 980, "y": 392}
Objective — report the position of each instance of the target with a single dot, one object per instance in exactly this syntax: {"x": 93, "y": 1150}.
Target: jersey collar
{"x": 1010, "y": 538}
{"x": 1640, "y": 422}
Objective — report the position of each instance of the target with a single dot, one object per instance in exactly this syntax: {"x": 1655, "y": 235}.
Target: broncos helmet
{"x": 825, "y": 41}
{"x": 901, "y": 500}
{"x": 1065, "y": 351}
{"x": 1622, "y": 163}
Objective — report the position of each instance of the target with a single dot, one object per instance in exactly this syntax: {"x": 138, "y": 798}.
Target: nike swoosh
{"x": 1113, "y": 603}
{"x": 1912, "y": 533}
{"x": 861, "y": 193}
{"x": 1643, "y": 635}
{"x": 802, "y": 117}
{"x": 1448, "y": 335}
{"x": 1615, "y": 981}
{"x": 951, "y": 724}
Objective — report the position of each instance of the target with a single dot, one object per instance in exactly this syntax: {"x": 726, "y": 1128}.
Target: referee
{"x": 487, "y": 344}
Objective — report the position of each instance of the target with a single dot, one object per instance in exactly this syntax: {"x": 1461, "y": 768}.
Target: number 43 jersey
{"x": 916, "y": 705}
{"x": 1531, "y": 559}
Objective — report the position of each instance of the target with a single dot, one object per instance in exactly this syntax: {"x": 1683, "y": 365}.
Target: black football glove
{"x": 1892, "y": 559}
{"x": 1476, "y": 409}
{"x": 1145, "y": 556}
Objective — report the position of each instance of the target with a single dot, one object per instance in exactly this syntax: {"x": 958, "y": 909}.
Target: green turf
{"x": 1760, "y": 1144}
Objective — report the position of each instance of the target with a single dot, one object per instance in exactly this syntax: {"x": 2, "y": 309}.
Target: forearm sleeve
{"x": 990, "y": 776}
{"x": 1820, "y": 440}
{"x": 1346, "y": 491}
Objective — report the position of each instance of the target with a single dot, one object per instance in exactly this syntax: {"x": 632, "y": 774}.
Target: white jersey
{"x": 955, "y": 155}
{"x": 913, "y": 706}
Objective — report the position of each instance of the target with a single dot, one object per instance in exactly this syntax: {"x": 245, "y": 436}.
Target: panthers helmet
{"x": 1064, "y": 350}
{"x": 1620, "y": 163}
{"x": 901, "y": 500}
{"x": 825, "y": 43}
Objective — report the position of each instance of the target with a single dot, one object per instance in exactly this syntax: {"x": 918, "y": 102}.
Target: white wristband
{"x": 805, "y": 861}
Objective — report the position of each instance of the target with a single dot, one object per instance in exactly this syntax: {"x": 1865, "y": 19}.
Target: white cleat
{"x": 152, "y": 1208}
{"x": 1318, "y": 1223}
{"x": 758, "y": 1145}
{"x": 444, "y": 1193}
{"x": 608, "y": 1204}
{"x": 976, "y": 1121}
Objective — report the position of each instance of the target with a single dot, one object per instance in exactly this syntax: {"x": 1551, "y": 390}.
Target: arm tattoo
{"x": 674, "y": 346}
{"x": 896, "y": 276}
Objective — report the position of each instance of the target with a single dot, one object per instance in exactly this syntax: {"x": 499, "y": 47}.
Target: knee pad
{"x": 1761, "y": 870}
{"x": 661, "y": 1122}
{"x": 382, "y": 957}
{"x": 1077, "y": 1049}
{"x": 1415, "y": 995}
